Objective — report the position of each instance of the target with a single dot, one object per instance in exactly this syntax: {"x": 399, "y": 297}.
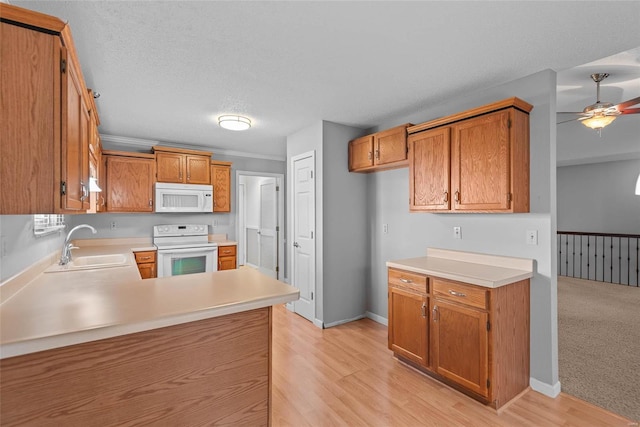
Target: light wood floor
{"x": 346, "y": 376}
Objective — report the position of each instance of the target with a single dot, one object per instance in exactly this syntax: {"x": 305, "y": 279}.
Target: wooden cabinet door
{"x": 170, "y": 167}
{"x": 460, "y": 345}
{"x": 390, "y": 146}
{"x": 429, "y": 170}
{"x": 480, "y": 166}
{"x": 408, "y": 325}
{"x": 227, "y": 263}
{"x": 221, "y": 180}
{"x": 147, "y": 270}
{"x": 29, "y": 120}
{"x": 130, "y": 184}
{"x": 198, "y": 171}
{"x": 361, "y": 153}
{"x": 75, "y": 140}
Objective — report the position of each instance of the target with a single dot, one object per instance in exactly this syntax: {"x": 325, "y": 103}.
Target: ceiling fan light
{"x": 598, "y": 122}
{"x": 233, "y": 122}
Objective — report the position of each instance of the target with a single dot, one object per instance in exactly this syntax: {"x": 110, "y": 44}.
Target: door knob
{"x": 296, "y": 245}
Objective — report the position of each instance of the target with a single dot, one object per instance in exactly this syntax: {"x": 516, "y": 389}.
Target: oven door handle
{"x": 187, "y": 250}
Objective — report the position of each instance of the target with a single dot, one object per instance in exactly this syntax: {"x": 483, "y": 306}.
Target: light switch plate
{"x": 457, "y": 232}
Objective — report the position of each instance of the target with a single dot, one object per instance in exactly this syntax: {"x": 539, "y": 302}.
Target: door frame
{"x": 241, "y": 219}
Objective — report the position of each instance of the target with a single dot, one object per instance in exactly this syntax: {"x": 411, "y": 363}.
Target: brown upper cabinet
{"x": 182, "y": 166}
{"x": 380, "y": 151}
{"x": 45, "y": 116}
{"x": 475, "y": 161}
{"x": 221, "y": 181}
{"x": 130, "y": 179}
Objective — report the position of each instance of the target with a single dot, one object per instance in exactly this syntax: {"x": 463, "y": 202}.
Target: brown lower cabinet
{"x": 472, "y": 338}
{"x": 227, "y": 257}
{"x": 146, "y": 261}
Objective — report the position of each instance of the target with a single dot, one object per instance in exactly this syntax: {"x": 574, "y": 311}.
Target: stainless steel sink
{"x": 91, "y": 262}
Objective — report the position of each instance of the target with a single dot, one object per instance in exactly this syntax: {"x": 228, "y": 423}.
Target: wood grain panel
{"x": 170, "y": 167}
{"x": 30, "y": 119}
{"x": 409, "y": 280}
{"x": 408, "y": 325}
{"x": 510, "y": 337}
{"x": 214, "y": 371}
{"x": 227, "y": 263}
{"x": 198, "y": 170}
{"x": 221, "y": 181}
{"x": 391, "y": 145}
{"x": 361, "y": 153}
{"x": 227, "y": 250}
{"x": 461, "y": 346}
{"x": 145, "y": 256}
{"x": 520, "y": 162}
{"x": 429, "y": 170}
{"x": 481, "y": 163}
{"x": 460, "y": 293}
{"x": 130, "y": 184}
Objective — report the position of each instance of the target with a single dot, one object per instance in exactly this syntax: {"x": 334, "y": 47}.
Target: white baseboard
{"x": 342, "y": 322}
{"x": 376, "y": 318}
{"x": 544, "y": 388}
{"x": 318, "y": 323}
{"x": 289, "y": 306}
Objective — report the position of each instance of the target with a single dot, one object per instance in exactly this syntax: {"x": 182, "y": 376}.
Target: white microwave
{"x": 183, "y": 197}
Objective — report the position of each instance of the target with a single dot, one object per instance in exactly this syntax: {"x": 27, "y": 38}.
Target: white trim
{"x": 148, "y": 143}
{"x": 376, "y": 318}
{"x": 548, "y": 390}
{"x": 342, "y": 322}
{"x": 599, "y": 159}
{"x": 240, "y": 222}
{"x": 316, "y": 322}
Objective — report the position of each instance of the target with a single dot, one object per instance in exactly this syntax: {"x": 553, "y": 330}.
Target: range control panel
{"x": 173, "y": 230}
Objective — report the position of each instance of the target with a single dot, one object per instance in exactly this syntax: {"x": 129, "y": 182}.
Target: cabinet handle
{"x": 188, "y": 177}
{"x": 370, "y": 155}
{"x": 150, "y": 202}
{"x": 423, "y": 309}
{"x": 456, "y": 196}
{"x": 446, "y": 196}
{"x": 142, "y": 258}
{"x": 84, "y": 192}
{"x": 377, "y": 154}
{"x": 434, "y": 313}
{"x": 403, "y": 280}
{"x": 457, "y": 294}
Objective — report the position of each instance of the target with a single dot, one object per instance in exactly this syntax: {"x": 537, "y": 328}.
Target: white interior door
{"x": 268, "y": 228}
{"x": 303, "y": 245}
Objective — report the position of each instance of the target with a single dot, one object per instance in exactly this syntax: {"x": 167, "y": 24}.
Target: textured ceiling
{"x": 166, "y": 70}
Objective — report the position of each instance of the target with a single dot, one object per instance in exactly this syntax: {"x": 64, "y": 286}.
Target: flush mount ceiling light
{"x": 233, "y": 122}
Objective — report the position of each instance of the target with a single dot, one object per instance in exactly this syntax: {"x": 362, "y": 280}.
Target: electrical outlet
{"x": 457, "y": 232}
{"x": 532, "y": 237}
{"x": 114, "y": 225}
{"x": 385, "y": 228}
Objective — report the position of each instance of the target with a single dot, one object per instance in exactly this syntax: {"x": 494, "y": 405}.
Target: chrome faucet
{"x": 65, "y": 257}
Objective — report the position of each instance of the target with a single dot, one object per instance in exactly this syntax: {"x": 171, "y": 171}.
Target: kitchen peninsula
{"x": 102, "y": 346}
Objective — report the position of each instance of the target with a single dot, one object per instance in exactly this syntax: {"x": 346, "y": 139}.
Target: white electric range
{"x": 184, "y": 249}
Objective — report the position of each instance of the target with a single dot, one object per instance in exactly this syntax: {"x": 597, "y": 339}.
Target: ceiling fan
{"x": 598, "y": 115}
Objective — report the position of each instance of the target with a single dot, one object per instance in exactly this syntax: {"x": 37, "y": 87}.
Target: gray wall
{"x": 341, "y": 221}
{"x": 19, "y": 248}
{"x": 501, "y": 234}
{"x": 599, "y": 197}
{"x": 346, "y": 242}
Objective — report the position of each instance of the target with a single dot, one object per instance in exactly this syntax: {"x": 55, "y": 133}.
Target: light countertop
{"x": 490, "y": 271}
{"x": 64, "y": 308}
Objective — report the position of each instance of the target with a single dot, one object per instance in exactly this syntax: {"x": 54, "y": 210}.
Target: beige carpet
{"x": 599, "y": 344}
